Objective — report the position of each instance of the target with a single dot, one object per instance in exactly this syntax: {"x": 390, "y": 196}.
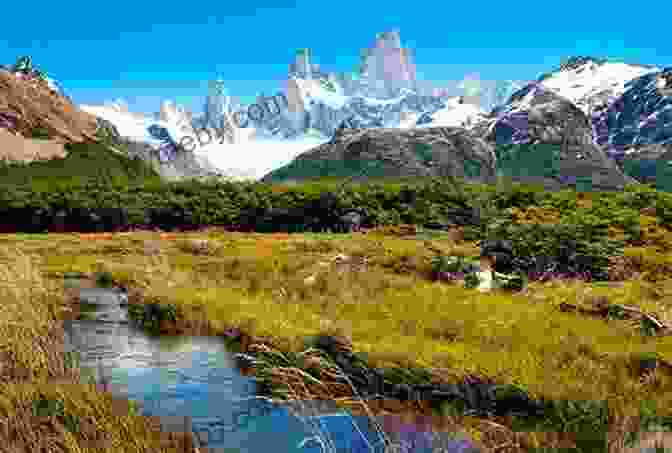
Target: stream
{"x": 194, "y": 380}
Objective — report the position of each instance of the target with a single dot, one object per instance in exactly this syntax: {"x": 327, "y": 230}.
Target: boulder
{"x": 640, "y": 116}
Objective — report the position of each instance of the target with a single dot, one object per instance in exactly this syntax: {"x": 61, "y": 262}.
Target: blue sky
{"x": 145, "y": 51}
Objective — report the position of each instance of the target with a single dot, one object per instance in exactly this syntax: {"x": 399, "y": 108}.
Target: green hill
{"x": 85, "y": 162}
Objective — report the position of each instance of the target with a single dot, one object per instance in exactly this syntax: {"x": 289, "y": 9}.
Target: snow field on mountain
{"x": 590, "y": 79}
{"x": 253, "y": 159}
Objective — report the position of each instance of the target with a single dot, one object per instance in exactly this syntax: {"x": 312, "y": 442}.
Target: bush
{"x": 93, "y": 177}
{"x": 557, "y": 248}
{"x": 151, "y": 314}
{"x": 587, "y": 421}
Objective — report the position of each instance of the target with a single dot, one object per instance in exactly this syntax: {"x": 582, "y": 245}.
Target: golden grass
{"x": 389, "y": 308}
{"x": 32, "y": 366}
{"x": 499, "y": 329}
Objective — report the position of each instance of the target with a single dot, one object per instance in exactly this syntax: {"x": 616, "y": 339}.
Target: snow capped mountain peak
{"x": 591, "y": 83}
{"x": 317, "y": 103}
{"x": 578, "y": 62}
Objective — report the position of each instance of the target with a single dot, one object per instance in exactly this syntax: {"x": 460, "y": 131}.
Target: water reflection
{"x": 177, "y": 376}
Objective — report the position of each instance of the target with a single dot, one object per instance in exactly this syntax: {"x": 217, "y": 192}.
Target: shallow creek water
{"x": 174, "y": 377}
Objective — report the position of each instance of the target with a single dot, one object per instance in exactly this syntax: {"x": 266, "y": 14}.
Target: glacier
{"x": 247, "y": 159}
{"x": 275, "y": 140}
{"x": 314, "y": 110}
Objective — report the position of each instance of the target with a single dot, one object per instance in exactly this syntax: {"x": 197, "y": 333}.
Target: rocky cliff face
{"x": 27, "y": 104}
{"x": 150, "y": 140}
{"x": 595, "y": 117}
{"x": 311, "y": 105}
{"x": 628, "y": 108}
{"x": 37, "y": 119}
{"x": 589, "y": 113}
{"x": 625, "y": 112}
{"x": 383, "y": 93}
{"x": 536, "y": 115}
{"x": 389, "y": 65}
{"x": 641, "y": 116}
{"x": 181, "y": 165}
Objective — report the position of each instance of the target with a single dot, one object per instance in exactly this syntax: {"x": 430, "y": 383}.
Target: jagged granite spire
{"x": 216, "y": 103}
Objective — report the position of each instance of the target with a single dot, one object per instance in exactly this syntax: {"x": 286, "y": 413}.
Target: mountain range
{"x": 604, "y": 121}
{"x": 600, "y": 123}
{"x": 306, "y": 113}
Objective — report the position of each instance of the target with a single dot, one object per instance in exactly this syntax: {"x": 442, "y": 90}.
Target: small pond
{"x": 195, "y": 376}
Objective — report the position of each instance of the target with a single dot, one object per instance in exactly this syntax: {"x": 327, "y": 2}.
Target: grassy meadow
{"x": 283, "y": 288}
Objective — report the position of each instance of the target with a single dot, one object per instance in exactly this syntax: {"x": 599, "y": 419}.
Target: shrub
{"x": 150, "y": 315}
{"x": 587, "y": 421}
{"x": 558, "y": 248}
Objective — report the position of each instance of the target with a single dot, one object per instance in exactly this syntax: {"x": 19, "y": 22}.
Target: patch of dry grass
{"x": 388, "y": 307}
{"x": 33, "y": 368}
